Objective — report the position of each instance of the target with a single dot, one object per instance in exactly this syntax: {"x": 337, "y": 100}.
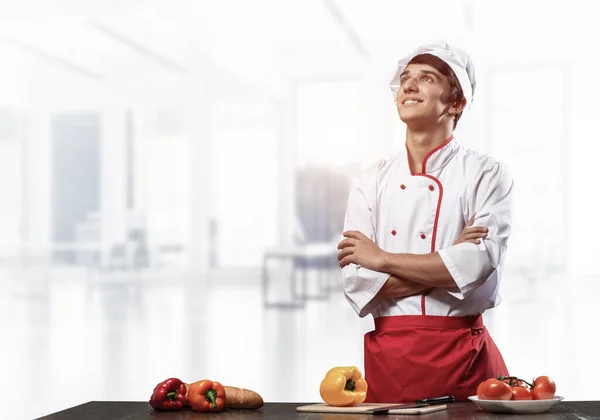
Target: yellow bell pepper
{"x": 344, "y": 386}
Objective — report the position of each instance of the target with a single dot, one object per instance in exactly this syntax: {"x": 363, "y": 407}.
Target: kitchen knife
{"x": 437, "y": 400}
{"x": 419, "y": 403}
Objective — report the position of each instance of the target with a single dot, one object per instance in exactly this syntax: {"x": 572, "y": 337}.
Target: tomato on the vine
{"x": 480, "y": 392}
{"x": 521, "y": 393}
{"x": 494, "y": 389}
{"x": 512, "y": 381}
{"x": 513, "y": 388}
{"x": 544, "y": 388}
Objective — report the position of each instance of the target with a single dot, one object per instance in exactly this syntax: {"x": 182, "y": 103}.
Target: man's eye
{"x": 427, "y": 78}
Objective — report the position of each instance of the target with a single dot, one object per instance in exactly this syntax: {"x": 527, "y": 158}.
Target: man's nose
{"x": 410, "y": 85}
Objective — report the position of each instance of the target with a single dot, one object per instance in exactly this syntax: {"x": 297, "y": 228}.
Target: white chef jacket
{"x": 423, "y": 213}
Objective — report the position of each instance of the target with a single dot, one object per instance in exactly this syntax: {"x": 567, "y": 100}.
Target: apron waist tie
{"x": 390, "y": 323}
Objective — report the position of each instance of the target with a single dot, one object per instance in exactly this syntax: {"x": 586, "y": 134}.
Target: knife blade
{"x": 385, "y": 408}
{"x": 437, "y": 400}
{"x": 419, "y": 403}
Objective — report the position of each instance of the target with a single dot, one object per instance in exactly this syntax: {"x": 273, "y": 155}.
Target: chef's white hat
{"x": 456, "y": 58}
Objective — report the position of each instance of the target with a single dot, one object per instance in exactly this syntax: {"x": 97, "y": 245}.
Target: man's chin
{"x": 409, "y": 117}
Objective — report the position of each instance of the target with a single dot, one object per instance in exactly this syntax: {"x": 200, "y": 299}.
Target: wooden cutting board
{"x": 364, "y": 408}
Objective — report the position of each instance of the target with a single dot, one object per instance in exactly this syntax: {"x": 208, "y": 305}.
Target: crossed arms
{"x": 369, "y": 274}
{"x": 410, "y": 274}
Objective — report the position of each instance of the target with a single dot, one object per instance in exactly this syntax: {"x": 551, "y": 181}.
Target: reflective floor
{"x": 72, "y": 336}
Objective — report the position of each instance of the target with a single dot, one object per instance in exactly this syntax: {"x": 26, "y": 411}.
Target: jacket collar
{"x": 437, "y": 158}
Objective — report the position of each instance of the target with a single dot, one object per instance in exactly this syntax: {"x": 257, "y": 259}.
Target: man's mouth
{"x": 411, "y": 102}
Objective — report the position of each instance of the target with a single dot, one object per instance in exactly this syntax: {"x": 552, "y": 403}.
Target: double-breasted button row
{"x": 403, "y": 187}
{"x": 422, "y": 235}
{"x": 431, "y": 187}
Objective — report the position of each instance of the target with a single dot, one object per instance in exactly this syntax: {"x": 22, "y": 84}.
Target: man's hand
{"x": 472, "y": 234}
{"x": 359, "y": 249}
{"x": 396, "y": 288}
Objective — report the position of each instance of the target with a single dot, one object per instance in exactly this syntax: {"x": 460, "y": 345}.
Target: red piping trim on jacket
{"x": 424, "y": 165}
{"x": 423, "y": 312}
{"x": 437, "y": 211}
{"x": 439, "y": 204}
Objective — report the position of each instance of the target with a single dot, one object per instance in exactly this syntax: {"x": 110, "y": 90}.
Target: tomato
{"x": 494, "y": 389}
{"x": 521, "y": 393}
{"x": 543, "y": 388}
{"x": 479, "y": 391}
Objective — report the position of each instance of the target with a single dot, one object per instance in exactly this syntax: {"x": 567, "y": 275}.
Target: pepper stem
{"x": 212, "y": 397}
{"x": 350, "y": 385}
{"x": 172, "y": 395}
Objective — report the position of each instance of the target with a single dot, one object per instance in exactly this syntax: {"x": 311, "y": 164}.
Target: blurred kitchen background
{"x": 174, "y": 175}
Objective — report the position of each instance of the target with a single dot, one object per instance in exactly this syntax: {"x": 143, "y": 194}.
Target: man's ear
{"x": 458, "y": 106}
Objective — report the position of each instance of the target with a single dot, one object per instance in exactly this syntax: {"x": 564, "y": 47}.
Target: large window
{"x": 168, "y": 184}
{"x": 12, "y": 136}
{"x": 526, "y": 129}
{"x": 245, "y": 183}
{"x": 330, "y": 134}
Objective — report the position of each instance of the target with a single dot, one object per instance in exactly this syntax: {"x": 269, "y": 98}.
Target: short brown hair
{"x": 456, "y": 92}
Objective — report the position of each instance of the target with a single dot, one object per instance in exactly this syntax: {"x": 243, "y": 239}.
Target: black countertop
{"x": 117, "y": 410}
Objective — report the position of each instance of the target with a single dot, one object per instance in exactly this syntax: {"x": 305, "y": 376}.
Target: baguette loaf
{"x": 242, "y": 398}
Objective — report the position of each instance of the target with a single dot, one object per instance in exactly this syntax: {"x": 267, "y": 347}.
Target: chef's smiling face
{"x": 423, "y": 96}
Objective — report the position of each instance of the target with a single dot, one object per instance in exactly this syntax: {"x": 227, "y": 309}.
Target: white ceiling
{"x": 266, "y": 42}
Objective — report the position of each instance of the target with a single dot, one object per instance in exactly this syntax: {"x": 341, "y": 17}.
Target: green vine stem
{"x": 514, "y": 381}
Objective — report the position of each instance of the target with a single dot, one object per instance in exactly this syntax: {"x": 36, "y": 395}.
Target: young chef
{"x": 409, "y": 255}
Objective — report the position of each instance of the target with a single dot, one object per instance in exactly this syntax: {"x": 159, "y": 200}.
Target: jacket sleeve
{"x": 491, "y": 199}
{"x": 361, "y": 284}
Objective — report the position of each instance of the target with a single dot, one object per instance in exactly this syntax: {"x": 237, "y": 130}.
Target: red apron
{"x": 410, "y": 357}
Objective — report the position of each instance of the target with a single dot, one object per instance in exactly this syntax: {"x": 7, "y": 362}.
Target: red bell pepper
{"x": 169, "y": 395}
{"x": 206, "y": 395}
